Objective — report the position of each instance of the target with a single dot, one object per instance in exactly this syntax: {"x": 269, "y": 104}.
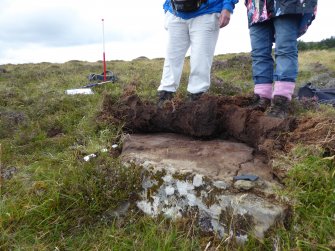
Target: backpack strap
{"x": 324, "y": 96}
{"x": 307, "y": 91}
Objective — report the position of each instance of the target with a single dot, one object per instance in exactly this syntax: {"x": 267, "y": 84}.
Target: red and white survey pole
{"x": 103, "y": 44}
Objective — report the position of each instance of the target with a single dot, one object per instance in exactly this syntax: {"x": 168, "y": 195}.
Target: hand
{"x": 224, "y": 18}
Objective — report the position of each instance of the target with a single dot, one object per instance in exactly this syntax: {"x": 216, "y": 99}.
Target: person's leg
{"x": 177, "y": 46}
{"x": 286, "y": 54}
{"x": 204, "y": 32}
{"x": 262, "y": 37}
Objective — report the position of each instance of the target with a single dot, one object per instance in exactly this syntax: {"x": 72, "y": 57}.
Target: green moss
{"x": 183, "y": 176}
{"x": 237, "y": 223}
{"x": 157, "y": 178}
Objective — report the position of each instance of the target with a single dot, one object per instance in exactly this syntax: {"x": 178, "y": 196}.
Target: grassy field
{"x": 53, "y": 200}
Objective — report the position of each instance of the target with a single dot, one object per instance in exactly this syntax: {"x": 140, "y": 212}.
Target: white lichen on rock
{"x": 220, "y": 204}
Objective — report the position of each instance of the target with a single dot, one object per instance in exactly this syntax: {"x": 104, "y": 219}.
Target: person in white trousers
{"x": 198, "y": 29}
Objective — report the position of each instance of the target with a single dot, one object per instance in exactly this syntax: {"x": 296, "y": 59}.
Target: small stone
{"x": 220, "y": 184}
{"x": 244, "y": 185}
{"x": 88, "y": 157}
{"x": 246, "y": 177}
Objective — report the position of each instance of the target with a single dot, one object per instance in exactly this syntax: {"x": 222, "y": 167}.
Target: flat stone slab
{"x": 217, "y": 159}
{"x": 223, "y": 183}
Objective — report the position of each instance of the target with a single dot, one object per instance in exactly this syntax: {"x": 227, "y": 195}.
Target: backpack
{"x": 186, "y": 5}
{"x": 99, "y": 77}
{"x": 323, "y": 96}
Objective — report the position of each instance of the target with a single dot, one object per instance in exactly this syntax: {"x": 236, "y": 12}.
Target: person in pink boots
{"x": 281, "y": 22}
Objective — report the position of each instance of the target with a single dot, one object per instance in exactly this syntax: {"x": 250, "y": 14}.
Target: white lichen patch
{"x": 184, "y": 187}
{"x": 167, "y": 178}
{"x": 172, "y": 197}
{"x": 150, "y": 208}
{"x": 198, "y": 180}
{"x": 169, "y": 190}
{"x": 172, "y": 212}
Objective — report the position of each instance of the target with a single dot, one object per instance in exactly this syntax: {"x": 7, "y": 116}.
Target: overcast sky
{"x": 61, "y": 30}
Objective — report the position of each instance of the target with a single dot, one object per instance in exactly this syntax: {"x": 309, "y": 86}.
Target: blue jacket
{"x": 212, "y": 6}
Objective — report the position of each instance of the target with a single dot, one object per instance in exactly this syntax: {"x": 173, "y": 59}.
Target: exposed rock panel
{"x": 184, "y": 175}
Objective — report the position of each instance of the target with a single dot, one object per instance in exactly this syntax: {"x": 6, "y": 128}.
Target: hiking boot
{"x": 194, "y": 96}
{"x": 279, "y": 107}
{"x": 164, "y": 96}
{"x": 260, "y": 103}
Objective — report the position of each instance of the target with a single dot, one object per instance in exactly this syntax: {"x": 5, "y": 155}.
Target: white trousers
{"x": 201, "y": 34}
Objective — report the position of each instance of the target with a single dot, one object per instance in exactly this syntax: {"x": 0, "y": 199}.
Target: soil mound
{"x": 221, "y": 117}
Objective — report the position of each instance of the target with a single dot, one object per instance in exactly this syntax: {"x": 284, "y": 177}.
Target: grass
{"x": 57, "y": 201}
{"x": 310, "y": 184}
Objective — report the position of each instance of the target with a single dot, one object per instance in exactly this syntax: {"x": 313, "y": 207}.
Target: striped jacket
{"x": 263, "y": 10}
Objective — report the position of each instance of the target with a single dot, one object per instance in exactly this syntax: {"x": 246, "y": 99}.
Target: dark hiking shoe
{"x": 164, "y": 96}
{"x": 194, "y": 96}
{"x": 279, "y": 107}
{"x": 260, "y": 103}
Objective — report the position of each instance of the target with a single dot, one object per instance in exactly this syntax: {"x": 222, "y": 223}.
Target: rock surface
{"x": 186, "y": 176}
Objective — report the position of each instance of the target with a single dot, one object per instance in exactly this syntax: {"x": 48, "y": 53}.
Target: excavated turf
{"x": 208, "y": 117}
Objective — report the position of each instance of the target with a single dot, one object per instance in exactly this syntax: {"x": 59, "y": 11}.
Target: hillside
{"x": 52, "y": 199}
